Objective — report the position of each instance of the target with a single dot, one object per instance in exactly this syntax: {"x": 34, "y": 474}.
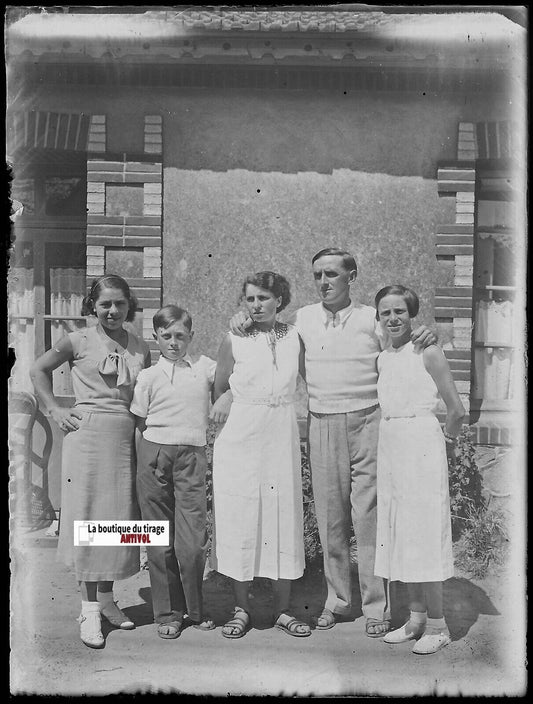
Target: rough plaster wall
{"x": 221, "y": 226}
{"x": 280, "y": 130}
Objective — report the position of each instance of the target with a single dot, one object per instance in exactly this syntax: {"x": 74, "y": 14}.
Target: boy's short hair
{"x": 348, "y": 260}
{"x": 167, "y": 315}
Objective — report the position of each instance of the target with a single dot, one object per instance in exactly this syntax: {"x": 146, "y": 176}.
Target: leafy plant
{"x": 479, "y": 533}
{"x": 466, "y": 484}
{"x": 483, "y": 542}
{"x": 312, "y": 545}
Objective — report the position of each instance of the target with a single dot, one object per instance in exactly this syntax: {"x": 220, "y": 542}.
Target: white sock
{"x": 89, "y": 606}
{"x": 418, "y": 617}
{"x": 105, "y": 598}
{"x": 436, "y": 623}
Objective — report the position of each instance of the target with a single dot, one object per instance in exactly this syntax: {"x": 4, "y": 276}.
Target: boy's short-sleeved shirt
{"x": 174, "y": 397}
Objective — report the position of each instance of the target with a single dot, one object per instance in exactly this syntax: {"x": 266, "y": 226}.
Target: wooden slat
{"x": 456, "y": 228}
{"x": 144, "y": 220}
{"x": 142, "y": 241}
{"x": 106, "y": 176}
{"x": 152, "y": 302}
{"x": 93, "y": 219}
{"x": 460, "y": 364}
{"x": 107, "y": 230}
{"x": 461, "y": 376}
{"x": 454, "y": 249}
{"x": 103, "y": 241}
{"x": 143, "y": 283}
{"x": 458, "y": 354}
{"x": 453, "y": 302}
{"x": 68, "y": 130}
{"x": 453, "y": 312}
{"x": 46, "y": 128}
{"x": 100, "y": 165}
{"x": 460, "y": 291}
{"x": 455, "y": 240}
{"x": 143, "y": 166}
{"x": 456, "y": 174}
{"x": 454, "y": 186}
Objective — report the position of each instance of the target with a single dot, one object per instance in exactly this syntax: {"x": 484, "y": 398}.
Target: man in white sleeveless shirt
{"x": 342, "y": 341}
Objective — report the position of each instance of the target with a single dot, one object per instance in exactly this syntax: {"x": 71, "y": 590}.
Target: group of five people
{"x": 378, "y": 456}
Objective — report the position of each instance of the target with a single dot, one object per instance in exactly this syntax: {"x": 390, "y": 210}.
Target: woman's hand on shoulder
{"x": 423, "y": 337}
{"x": 240, "y": 323}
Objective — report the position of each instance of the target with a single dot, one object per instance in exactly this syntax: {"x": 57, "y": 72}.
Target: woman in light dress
{"x": 257, "y": 486}
{"x": 98, "y": 471}
{"x": 414, "y": 543}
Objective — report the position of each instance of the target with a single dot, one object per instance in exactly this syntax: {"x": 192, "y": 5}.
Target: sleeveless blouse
{"x": 103, "y": 372}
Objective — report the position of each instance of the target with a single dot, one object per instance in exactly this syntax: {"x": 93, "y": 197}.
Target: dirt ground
{"x": 486, "y": 657}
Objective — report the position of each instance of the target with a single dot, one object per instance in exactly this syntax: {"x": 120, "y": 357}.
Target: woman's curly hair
{"x": 270, "y": 281}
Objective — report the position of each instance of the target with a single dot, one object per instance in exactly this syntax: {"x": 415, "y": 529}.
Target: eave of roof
{"x": 478, "y": 40}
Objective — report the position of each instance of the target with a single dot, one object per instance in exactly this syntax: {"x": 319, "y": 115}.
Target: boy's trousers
{"x": 342, "y": 454}
{"x": 171, "y": 487}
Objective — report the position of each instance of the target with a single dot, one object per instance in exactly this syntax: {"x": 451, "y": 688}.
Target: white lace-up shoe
{"x": 402, "y": 635}
{"x": 432, "y": 641}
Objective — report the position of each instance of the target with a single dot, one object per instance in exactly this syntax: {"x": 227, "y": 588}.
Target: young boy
{"x": 171, "y": 402}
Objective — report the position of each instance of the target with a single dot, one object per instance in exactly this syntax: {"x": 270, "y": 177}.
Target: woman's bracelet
{"x": 450, "y": 439}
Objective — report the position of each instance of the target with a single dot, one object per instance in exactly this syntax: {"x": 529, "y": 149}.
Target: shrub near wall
{"x": 478, "y": 532}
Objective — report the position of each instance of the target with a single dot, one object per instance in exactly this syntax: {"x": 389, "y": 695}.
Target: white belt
{"x": 274, "y": 400}
{"x": 415, "y": 414}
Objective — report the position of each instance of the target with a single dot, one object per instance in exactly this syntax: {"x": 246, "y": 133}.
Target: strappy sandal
{"x": 169, "y": 630}
{"x": 327, "y": 617}
{"x": 292, "y": 626}
{"x": 206, "y": 624}
{"x": 372, "y": 623}
{"x": 238, "y": 624}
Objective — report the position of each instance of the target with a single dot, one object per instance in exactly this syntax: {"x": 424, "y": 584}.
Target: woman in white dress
{"x": 414, "y": 543}
{"x": 257, "y": 486}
